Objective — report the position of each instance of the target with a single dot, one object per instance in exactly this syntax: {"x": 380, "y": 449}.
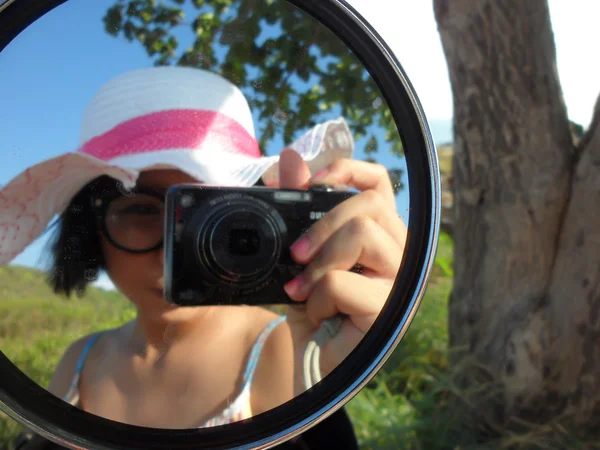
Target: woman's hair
{"x": 76, "y": 250}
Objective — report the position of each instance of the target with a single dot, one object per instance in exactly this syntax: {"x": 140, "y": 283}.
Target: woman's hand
{"x": 364, "y": 229}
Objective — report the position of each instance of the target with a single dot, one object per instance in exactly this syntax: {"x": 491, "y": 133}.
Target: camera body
{"x": 230, "y": 246}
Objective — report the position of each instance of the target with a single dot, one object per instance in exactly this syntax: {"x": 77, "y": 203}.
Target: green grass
{"x": 406, "y": 406}
{"x": 37, "y": 326}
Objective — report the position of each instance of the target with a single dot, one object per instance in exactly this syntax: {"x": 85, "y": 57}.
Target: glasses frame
{"x": 100, "y": 205}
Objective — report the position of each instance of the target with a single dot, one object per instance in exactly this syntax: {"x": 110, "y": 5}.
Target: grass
{"x": 37, "y": 326}
{"x": 406, "y": 406}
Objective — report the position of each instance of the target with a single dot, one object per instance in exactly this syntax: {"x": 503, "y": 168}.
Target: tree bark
{"x": 525, "y": 302}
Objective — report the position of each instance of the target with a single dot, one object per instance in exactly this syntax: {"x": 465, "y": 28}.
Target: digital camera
{"x": 231, "y": 246}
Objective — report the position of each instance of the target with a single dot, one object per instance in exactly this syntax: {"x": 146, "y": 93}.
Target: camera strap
{"x": 312, "y": 366}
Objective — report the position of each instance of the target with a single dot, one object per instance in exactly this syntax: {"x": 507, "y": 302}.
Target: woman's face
{"x": 139, "y": 276}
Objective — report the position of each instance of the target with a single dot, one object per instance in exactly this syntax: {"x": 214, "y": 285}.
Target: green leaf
{"x": 146, "y": 15}
{"x": 371, "y": 145}
{"x": 113, "y": 19}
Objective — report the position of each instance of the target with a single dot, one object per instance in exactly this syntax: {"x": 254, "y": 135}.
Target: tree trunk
{"x": 526, "y": 296}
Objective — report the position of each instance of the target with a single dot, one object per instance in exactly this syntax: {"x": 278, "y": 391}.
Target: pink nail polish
{"x": 320, "y": 174}
{"x": 293, "y": 286}
{"x": 301, "y": 247}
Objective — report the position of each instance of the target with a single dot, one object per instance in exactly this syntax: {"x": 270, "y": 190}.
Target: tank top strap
{"x": 73, "y": 394}
{"x": 257, "y": 348}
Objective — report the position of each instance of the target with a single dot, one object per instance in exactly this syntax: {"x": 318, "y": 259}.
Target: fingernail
{"x": 292, "y": 287}
{"x": 301, "y": 248}
{"x": 320, "y": 174}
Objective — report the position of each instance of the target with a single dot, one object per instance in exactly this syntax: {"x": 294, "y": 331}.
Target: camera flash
{"x": 186, "y": 201}
{"x": 292, "y": 196}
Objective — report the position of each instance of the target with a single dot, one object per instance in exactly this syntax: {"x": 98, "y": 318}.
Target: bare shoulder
{"x": 61, "y": 380}
{"x": 65, "y": 370}
{"x": 273, "y": 379}
{"x": 254, "y": 319}
{"x": 258, "y": 320}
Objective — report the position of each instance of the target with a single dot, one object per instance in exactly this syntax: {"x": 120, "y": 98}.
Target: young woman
{"x": 176, "y": 367}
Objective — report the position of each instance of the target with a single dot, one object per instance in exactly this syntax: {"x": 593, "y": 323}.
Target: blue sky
{"x": 50, "y": 72}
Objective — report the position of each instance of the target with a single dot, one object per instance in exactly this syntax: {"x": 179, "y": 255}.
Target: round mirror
{"x": 217, "y": 219}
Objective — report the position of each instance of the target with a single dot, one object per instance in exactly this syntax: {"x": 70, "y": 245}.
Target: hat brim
{"x": 30, "y": 201}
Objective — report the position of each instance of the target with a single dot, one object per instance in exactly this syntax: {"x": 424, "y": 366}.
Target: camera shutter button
{"x": 322, "y": 188}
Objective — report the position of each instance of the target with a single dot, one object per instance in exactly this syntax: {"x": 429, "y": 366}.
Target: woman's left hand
{"x": 364, "y": 229}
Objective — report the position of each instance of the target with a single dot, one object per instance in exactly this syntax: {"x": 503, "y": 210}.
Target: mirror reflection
{"x": 204, "y": 207}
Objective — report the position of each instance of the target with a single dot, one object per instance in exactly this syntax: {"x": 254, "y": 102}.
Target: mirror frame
{"x": 32, "y": 406}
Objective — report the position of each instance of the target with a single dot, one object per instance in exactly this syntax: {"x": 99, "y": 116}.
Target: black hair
{"x": 76, "y": 250}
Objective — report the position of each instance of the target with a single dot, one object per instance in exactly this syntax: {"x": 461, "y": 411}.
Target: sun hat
{"x": 152, "y": 118}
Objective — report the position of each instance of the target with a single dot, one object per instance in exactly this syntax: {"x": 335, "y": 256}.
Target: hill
{"x": 20, "y": 282}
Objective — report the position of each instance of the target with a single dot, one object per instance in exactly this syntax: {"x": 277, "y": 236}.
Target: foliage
{"x": 293, "y": 71}
{"x": 36, "y": 326}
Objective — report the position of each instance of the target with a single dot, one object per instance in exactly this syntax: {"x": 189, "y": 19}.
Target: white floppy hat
{"x": 159, "y": 117}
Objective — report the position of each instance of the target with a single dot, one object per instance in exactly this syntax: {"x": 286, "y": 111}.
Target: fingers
{"x": 369, "y": 203}
{"x": 361, "y": 175}
{"x": 340, "y": 291}
{"x": 293, "y": 171}
{"x": 359, "y": 240}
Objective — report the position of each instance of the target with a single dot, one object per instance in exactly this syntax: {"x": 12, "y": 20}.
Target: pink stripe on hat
{"x": 174, "y": 129}
{"x": 179, "y": 117}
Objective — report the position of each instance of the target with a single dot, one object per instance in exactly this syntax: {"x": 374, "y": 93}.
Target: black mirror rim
{"x": 32, "y": 406}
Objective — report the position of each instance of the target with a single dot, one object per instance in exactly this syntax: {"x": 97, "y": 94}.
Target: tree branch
{"x": 574, "y": 291}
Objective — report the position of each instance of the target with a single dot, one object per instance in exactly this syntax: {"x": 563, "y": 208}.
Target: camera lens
{"x": 244, "y": 242}
{"x": 240, "y": 242}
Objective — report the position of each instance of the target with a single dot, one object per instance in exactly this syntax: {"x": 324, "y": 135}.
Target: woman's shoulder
{"x": 261, "y": 316}
{"x": 263, "y": 328}
{"x": 270, "y": 333}
{"x": 250, "y": 320}
{"x": 67, "y": 367}
{"x": 62, "y": 378}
